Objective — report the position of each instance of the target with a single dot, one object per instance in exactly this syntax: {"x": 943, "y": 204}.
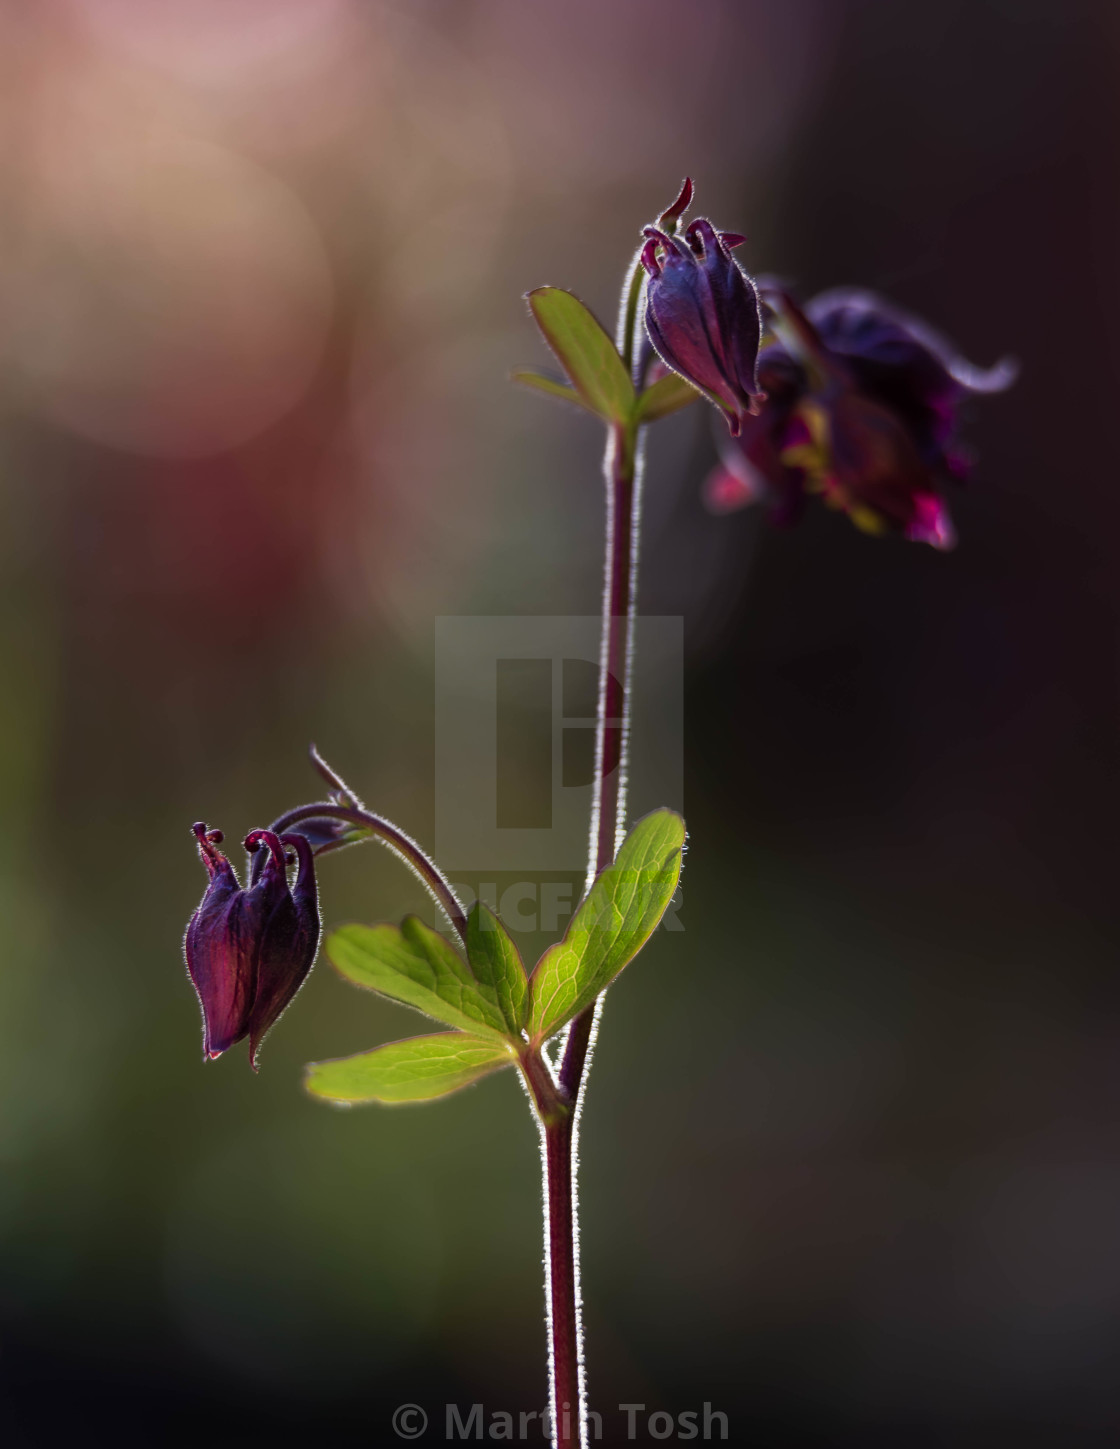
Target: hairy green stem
{"x": 628, "y": 312}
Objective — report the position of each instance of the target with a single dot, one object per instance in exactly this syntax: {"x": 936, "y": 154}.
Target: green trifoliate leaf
{"x": 497, "y": 964}
{"x": 415, "y": 1070}
{"x": 619, "y": 915}
{"x": 414, "y": 964}
{"x": 667, "y": 395}
{"x": 541, "y": 382}
{"x": 588, "y": 355}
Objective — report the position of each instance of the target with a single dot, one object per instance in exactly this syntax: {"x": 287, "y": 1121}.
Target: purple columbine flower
{"x": 862, "y": 408}
{"x": 702, "y": 312}
{"x": 249, "y": 951}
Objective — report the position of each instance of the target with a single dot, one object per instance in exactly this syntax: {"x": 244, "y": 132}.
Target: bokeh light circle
{"x": 163, "y": 294}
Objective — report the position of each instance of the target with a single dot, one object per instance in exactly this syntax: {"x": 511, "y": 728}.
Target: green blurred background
{"x": 851, "y": 1169}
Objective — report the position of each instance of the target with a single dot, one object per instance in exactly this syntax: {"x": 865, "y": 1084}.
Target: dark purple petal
{"x": 875, "y": 463}
{"x": 221, "y": 973}
{"x": 290, "y": 937}
{"x": 649, "y": 257}
{"x": 733, "y": 485}
{"x": 221, "y": 945}
{"x": 735, "y": 302}
{"x": 905, "y": 364}
{"x": 753, "y": 468}
{"x": 780, "y": 376}
{"x": 853, "y": 320}
{"x": 931, "y": 522}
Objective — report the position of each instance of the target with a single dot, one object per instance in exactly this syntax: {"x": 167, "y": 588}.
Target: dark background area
{"x": 851, "y": 1162}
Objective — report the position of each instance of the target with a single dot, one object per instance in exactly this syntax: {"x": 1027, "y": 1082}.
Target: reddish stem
{"x": 611, "y": 735}
{"x": 563, "y": 1282}
{"x": 568, "y": 1381}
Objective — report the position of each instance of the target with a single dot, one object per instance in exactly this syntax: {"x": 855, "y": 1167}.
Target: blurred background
{"x": 851, "y": 1160}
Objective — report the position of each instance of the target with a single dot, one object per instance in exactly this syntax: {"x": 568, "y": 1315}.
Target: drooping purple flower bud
{"x": 702, "y": 314}
{"x": 249, "y": 951}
